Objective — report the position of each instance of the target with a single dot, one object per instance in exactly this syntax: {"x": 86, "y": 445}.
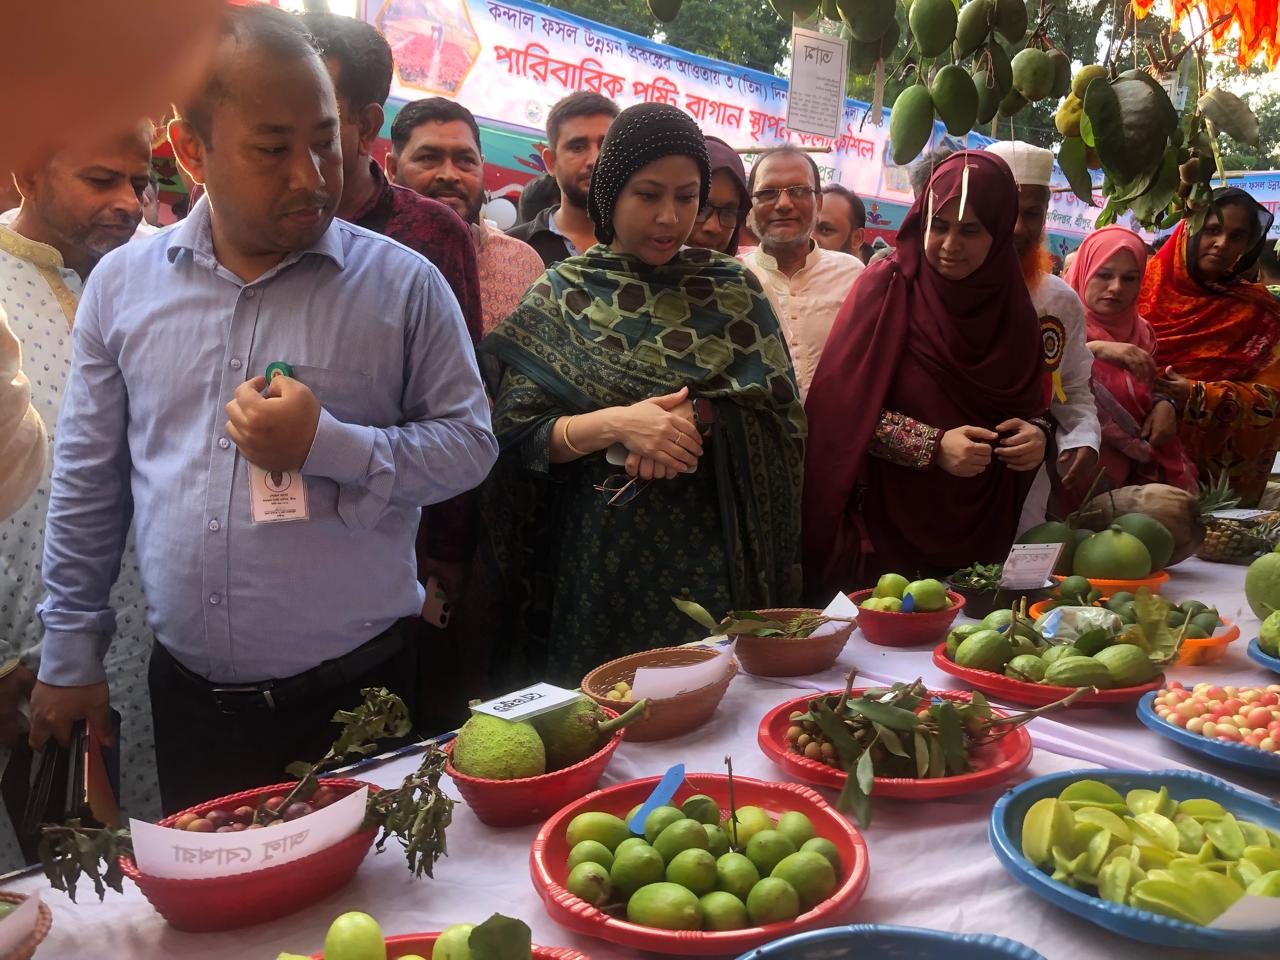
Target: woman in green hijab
{"x": 652, "y": 436}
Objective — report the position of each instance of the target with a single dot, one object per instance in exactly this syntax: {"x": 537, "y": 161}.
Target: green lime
{"x": 736, "y": 874}
{"x": 590, "y": 851}
{"x": 767, "y": 848}
{"x": 825, "y": 847}
{"x": 628, "y": 843}
{"x": 890, "y": 585}
{"x": 635, "y": 867}
{"x": 590, "y": 882}
{"x": 723, "y": 911}
{"x": 796, "y": 827}
{"x": 810, "y": 874}
{"x": 750, "y": 821}
{"x": 684, "y": 834}
{"x": 693, "y": 869}
{"x": 701, "y": 808}
{"x": 772, "y": 901}
{"x": 667, "y": 906}
{"x": 604, "y": 828}
{"x": 717, "y": 840}
{"x": 659, "y": 820}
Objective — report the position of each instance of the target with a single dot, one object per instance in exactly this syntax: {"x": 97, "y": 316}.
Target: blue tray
{"x": 1006, "y": 837}
{"x": 1257, "y": 655}
{"x": 862, "y": 940}
{"x": 1237, "y": 754}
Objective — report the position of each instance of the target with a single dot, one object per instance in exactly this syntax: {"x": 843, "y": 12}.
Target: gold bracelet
{"x": 9, "y": 666}
{"x": 564, "y": 436}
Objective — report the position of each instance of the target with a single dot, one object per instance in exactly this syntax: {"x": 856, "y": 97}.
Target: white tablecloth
{"x": 931, "y": 863}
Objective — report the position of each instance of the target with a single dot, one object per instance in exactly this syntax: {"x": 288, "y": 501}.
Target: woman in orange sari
{"x": 1217, "y": 338}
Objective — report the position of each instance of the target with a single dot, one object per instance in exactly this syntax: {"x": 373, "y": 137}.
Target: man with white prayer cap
{"x": 1078, "y": 435}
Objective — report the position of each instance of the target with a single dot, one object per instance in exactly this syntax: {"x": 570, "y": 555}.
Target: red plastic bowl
{"x": 996, "y": 762}
{"x": 549, "y": 853}
{"x": 243, "y": 899}
{"x": 423, "y": 943}
{"x": 515, "y": 803}
{"x": 1009, "y": 690}
{"x": 887, "y": 629}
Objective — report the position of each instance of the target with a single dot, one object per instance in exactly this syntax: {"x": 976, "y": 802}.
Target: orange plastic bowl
{"x": 1199, "y": 652}
{"x": 514, "y": 803}
{"x": 887, "y": 629}
{"x": 243, "y": 899}
{"x": 550, "y": 851}
{"x": 421, "y": 944}
{"x": 1155, "y": 583}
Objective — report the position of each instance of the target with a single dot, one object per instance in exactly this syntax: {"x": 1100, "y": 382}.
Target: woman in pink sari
{"x": 1139, "y": 426}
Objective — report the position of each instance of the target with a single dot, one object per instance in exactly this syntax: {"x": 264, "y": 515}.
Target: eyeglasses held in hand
{"x": 797, "y": 193}
{"x": 621, "y": 488}
{"x": 728, "y": 215}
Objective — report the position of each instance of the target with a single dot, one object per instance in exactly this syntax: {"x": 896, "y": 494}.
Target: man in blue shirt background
{"x": 263, "y": 628}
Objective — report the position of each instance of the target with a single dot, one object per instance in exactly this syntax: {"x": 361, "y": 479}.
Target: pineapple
{"x": 1233, "y": 541}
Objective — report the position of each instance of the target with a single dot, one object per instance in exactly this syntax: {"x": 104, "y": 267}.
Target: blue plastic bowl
{"x": 1258, "y": 655}
{"x": 1006, "y": 837}
{"x": 861, "y": 940}
{"x": 1237, "y": 754}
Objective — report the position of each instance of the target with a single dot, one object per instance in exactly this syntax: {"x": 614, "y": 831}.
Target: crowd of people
{"x": 333, "y": 429}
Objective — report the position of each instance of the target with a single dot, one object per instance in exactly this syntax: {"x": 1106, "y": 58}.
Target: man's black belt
{"x": 275, "y": 694}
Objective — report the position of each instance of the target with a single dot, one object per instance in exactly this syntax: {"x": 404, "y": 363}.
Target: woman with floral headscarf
{"x": 1139, "y": 426}
{"x": 1217, "y": 336}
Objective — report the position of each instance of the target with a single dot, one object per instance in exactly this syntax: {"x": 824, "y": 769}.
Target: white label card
{"x": 819, "y": 70}
{"x": 276, "y": 495}
{"x": 17, "y": 926}
{"x": 1240, "y": 513}
{"x": 528, "y": 702}
{"x": 661, "y": 682}
{"x": 1250, "y": 912}
{"x": 169, "y": 852}
{"x": 840, "y": 606}
{"x": 1029, "y": 565}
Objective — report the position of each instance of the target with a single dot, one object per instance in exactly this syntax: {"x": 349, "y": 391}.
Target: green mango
{"x": 910, "y": 123}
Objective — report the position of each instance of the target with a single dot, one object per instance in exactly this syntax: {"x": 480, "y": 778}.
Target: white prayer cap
{"x": 1032, "y": 166}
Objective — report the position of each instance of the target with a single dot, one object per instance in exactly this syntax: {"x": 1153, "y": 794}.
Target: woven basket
{"x": 790, "y": 656}
{"x": 670, "y": 716}
{"x": 27, "y": 949}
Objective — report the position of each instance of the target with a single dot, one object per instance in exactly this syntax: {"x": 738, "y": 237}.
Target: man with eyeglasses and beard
{"x": 806, "y": 283}
{"x": 435, "y": 151}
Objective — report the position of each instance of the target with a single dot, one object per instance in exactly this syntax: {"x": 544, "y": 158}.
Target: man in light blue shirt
{"x": 270, "y": 610}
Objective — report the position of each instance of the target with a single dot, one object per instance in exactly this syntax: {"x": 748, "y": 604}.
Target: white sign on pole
{"x": 819, "y": 71}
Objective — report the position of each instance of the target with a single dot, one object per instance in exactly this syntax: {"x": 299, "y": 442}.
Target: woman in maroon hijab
{"x": 927, "y": 412}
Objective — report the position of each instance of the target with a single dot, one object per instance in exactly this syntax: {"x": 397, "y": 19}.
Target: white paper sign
{"x": 1250, "y": 913}
{"x": 840, "y": 606}
{"x": 17, "y": 926}
{"x": 167, "y": 852}
{"x": 527, "y": 702}
{"x": 1029, "y": 565}
{"x": 819, "y": 69}
{"x": 1239, "y": 513}
{"x": 660, "y": 682}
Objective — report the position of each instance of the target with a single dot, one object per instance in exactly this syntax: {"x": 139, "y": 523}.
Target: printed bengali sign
{"x": 508, "y": 61}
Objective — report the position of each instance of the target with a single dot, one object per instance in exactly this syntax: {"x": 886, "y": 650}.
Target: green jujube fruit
{"x": 1077, "y": 672}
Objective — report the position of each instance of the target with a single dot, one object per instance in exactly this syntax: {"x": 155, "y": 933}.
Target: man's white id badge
{"x": 276, "y": 495}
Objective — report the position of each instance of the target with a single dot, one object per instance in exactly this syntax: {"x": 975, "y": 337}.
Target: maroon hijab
{"x": 945, "y": 352}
